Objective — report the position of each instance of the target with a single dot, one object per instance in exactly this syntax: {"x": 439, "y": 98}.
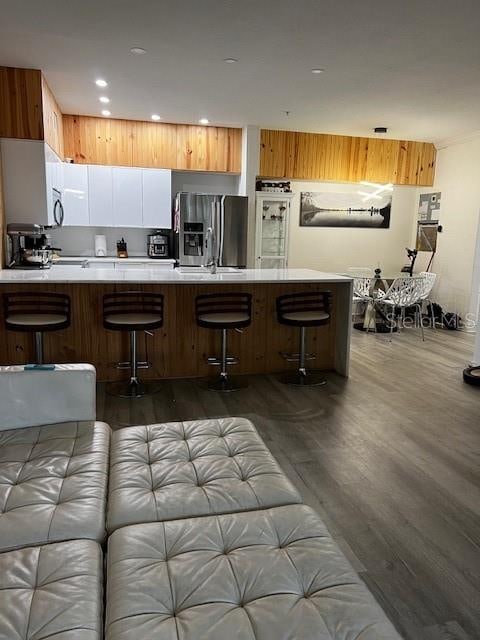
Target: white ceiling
{"x": 410, "y": 65}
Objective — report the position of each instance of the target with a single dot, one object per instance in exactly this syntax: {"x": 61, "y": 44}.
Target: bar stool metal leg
{"x": 134, "y": 388}
{"x": 224, "y": 382}
{"x": 301, "y": 377}
{"x": 38, "y": 347}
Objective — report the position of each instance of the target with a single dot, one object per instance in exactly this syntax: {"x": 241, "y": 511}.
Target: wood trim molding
{"x": 134, "y": 143}
{"x": 325, "y": 157}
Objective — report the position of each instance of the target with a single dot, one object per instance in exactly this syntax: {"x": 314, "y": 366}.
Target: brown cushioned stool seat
{"x": 36, "y": 312}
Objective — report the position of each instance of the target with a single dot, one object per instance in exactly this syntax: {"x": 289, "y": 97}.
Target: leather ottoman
{"x": 274, "y": 574}
{"x": 51, "y": 592}
{"x": 184, "y": 469}
{"x": 53, "y": 483}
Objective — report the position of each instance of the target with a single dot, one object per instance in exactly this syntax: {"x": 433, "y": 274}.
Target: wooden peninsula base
{"x": 180, "y": 348}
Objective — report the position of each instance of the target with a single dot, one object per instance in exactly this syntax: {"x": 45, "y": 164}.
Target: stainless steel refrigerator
{"x": 211, "y": 228}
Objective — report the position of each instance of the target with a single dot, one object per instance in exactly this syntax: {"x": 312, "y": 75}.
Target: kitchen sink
{"x": 206, "y": 270}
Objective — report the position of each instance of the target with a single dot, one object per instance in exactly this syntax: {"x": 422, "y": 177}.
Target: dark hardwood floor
{"x": 390, "y": 458}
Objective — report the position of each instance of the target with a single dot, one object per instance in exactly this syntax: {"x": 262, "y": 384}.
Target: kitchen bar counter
{"x": 180, "y": 347}
{"x": 70, "y": 275}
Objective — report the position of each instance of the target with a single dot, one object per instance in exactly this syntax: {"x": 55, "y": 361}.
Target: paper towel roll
{"x": 100, "y": 246}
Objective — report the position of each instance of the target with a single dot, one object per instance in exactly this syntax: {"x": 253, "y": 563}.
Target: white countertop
{"x": 108, "y": 259}
{"x": 91, "y": 275}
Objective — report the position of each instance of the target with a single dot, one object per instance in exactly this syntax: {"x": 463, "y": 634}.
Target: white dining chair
{"x": 362, "y": 291}
{"x": 429, "y": 283}
{"x": 403, "y": 293}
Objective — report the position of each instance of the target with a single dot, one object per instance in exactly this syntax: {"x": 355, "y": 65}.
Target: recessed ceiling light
{"x": 101, "y": 83}
{"x": 230, "y": 60}
{"x": 204, "y": 121}
{"x": 155, "y": 116}
{"x": 317, "y": 71}
{"x": 106, "y": 112}
{"x": 138, "y": 51}
{"x": 104, "y": 99}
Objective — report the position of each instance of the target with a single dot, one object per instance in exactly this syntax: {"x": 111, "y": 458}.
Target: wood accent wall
{"x": 90, "y": 140}
{"x": 21, "y": 103}
{"x": 52, "y": 120}
{"x": 318, "y": 156}
{"x": 2, "y": 218}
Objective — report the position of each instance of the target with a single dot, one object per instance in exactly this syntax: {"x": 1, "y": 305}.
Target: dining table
{"x": 374, "y": 318}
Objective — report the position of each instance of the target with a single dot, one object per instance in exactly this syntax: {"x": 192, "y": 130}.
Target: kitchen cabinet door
{"x": 157, "y": 198}
{"x": 100, "y": 196}
{"x": 127, "y": 197}
{"x": 75, "y": 195}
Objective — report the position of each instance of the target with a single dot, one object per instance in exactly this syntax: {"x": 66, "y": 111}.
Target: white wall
{"x": 247, "y": 182}
{"x": 333, "y": 249}
{"x": 197, "y": 182}
{"x": 80, "y": 241}
{"x": 457, "y": 177}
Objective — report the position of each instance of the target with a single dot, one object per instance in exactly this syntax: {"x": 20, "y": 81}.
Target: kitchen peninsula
{"x": 180, "y": 347}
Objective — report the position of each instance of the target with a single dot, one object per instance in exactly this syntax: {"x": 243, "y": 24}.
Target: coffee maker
{"x": 28, "y": 247}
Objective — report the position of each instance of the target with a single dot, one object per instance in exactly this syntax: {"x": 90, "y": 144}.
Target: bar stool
{"x": 305, "y": 309}
{"x": 224, "y": 311}
{"x": 36, "y": 312}
{"x": 132, "y": 311}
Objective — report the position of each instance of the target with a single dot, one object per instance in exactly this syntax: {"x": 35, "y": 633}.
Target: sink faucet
{"x": 212, "y": 260}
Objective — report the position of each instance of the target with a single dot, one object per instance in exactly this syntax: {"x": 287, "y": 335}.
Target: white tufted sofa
{"x": 208, "y": 537}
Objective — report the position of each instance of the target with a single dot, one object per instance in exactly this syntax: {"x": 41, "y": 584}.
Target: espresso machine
{"x": 28, "y": 247}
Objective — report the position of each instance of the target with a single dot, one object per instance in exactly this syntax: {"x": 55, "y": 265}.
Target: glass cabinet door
{"x": 272, "y": 214}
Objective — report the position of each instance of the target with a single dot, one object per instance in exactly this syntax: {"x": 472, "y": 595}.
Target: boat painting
{"x": 325, "y": 209}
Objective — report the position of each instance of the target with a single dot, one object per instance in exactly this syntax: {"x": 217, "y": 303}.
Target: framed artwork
{"x": 429, "y": 207}
{"x": 324, "y": 209}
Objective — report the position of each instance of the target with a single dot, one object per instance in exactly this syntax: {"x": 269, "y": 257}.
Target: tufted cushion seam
{"x": 241, "y": 595}
{"x": 35, "y": 582}
{"x": 24, "y": 462}
{"x": 59, "y": 495}
{"x": 172, "y": 594}
{"x": 151, "y": 473}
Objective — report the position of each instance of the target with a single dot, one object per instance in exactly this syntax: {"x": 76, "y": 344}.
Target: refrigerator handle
{"x": 221, "y": 231}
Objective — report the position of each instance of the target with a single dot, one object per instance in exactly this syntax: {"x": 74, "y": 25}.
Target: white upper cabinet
{"x": 75, "y": 195}
{"x": 30, "y": 172}
{"x": 157, "y": 198}
{"x": 127, "y": 197}
{"x": 100, "y": 196}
